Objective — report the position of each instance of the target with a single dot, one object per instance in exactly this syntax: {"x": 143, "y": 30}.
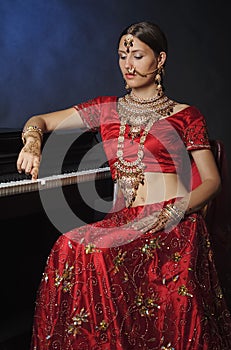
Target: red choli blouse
{"x": 167, "y": 144}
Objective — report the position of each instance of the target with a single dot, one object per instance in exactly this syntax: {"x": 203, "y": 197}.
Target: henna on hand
{"x": 33, "y": 147}
{"x": 164, "y": 219}
{"x": 169, "y": 215}
{"x": 29, "y": 158}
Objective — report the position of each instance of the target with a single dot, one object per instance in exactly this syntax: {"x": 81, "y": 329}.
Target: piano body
{"x": 28, "y": 229}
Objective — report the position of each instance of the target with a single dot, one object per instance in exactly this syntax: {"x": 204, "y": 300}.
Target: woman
{"x": 143, "y": 277}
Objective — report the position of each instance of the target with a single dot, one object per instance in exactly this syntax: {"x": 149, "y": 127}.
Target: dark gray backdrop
{"x": 59, "y": 52}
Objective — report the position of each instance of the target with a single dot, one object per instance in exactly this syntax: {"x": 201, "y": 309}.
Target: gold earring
{"x": 158, "y": 79}
{"x": 127, "y": 87}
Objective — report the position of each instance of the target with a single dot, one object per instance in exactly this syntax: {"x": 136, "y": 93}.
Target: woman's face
{"x": 137, "y": 57}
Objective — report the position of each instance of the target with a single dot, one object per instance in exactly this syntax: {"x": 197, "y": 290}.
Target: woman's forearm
{"x": 201, "y": 195}
{"x": 37, "y": 121}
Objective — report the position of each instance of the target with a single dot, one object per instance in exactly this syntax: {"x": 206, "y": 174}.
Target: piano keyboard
{"x": 23, "y": 186}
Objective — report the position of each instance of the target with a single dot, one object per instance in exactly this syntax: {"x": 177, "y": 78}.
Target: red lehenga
{"x": 108, "y": 286}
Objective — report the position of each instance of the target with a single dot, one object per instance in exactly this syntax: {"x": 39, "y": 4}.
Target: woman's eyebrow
{"x": 137, "y": 50}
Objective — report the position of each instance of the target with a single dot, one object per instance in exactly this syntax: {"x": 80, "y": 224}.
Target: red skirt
{"x": 109, "y": 287}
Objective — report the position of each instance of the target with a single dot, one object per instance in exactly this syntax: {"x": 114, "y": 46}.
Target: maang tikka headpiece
{"x": 128, "y": 42}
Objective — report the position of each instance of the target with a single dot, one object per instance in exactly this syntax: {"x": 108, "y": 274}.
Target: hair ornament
{"x": 128, "y": 42}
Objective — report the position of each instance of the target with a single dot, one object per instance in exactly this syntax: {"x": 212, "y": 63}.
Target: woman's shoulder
{"x": 96, "y": 103}
{"x": 105, "y": 99}
{"x": 179, "y": 107}
{"x": 186, "y": 111}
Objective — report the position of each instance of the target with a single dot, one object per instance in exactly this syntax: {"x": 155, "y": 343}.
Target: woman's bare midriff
{"x": 159, "y": 187}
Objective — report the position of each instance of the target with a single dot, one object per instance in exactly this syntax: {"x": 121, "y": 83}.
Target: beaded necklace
{"x": 139, "y": 115}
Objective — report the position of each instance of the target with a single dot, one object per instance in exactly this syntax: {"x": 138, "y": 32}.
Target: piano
{"x": 74, "y": 188}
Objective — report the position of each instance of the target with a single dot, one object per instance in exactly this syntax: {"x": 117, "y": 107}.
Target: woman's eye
{"x": 138, "y": 57}
{"x": 122, "y": 57}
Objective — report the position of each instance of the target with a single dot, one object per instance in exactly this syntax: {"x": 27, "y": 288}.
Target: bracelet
{"x": 174, "y": 211}
{"x": 31, "y": 128}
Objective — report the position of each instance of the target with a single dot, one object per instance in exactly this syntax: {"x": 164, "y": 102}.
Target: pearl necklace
{"x": 141, "y": 115}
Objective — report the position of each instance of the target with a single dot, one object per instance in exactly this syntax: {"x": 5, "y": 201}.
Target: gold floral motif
{"x": 119, "y": 260}
{"x": 176, "y": 257}
{"x": 150, "y": 246}
{"x": 75, "y": 327}
{"x": 90, "y": 248}
{"x": 67, "y": 286}
{"x": 65, "y": 278}
{"x": 102, "y": 326}
{"x": 147, "y": 305}
{"x": 183, "y": 290}
{"x": 218, "y": 292}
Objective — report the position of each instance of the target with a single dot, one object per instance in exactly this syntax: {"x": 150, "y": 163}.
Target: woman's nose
{"x": 128, "y": 62}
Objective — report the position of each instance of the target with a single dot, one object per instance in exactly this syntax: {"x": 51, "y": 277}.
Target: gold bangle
{"x": 174, "y": 211}
{"x": 31, "y": 128}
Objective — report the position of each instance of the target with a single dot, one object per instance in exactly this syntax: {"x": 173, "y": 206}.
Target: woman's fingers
{"x": 19, "y": 162}
{"x": 27, "y": 166}
{"x": 35, "y": 168}
{"x": 28, "y": 163}
{"x": 34, "y": 173}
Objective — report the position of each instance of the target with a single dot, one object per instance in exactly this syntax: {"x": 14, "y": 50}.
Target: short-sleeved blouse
{"x": 167, "y": 145}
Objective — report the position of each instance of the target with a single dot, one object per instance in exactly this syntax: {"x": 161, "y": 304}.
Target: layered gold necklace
{"x": 139, "y": 114}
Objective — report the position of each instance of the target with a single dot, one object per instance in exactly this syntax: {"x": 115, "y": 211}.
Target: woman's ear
{"x": 161, "y": 59}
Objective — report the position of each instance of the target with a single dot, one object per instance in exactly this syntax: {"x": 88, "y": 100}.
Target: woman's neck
{"x": 145, "y": 93}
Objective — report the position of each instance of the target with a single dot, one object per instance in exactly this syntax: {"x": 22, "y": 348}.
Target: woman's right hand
{"x": 29, "y": 157}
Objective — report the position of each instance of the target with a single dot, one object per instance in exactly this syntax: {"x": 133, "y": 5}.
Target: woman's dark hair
{"x": 150, "y": 34}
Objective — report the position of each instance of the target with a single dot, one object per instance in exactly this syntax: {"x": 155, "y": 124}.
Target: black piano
{"x": 74, "y": 187}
